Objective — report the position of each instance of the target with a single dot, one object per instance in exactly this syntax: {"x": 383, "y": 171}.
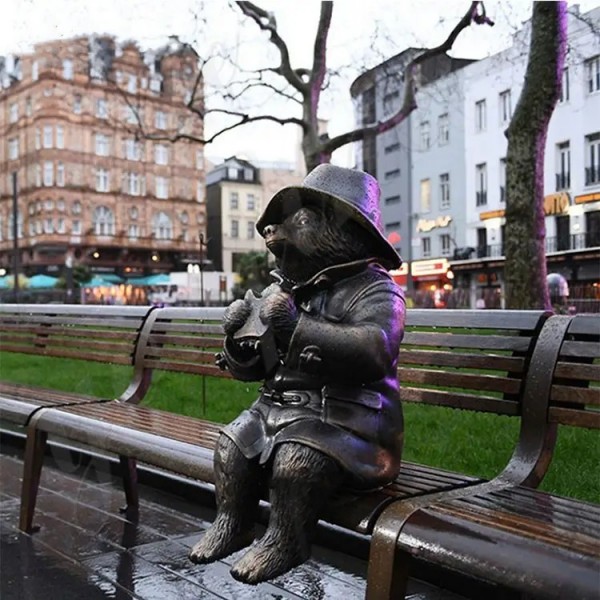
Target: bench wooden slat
{"x": 67, "y": 331}
{"x": 576, "y": 418}
{"x": 456, "y": 379}
{"x": 109, "y": 357}
{"x": 52, "y": 342}
{"x": 460, "y": 340}
{"x": 499, "y": 319}
{"x": 187, "y": 327}
{"x": 459, "y": 400}
{"x": 575, "y": 395}
{"x": 579, "y": 371}
{"x": 196, "y": 341}
{"x": 181, "y": 354}
{"x": 512, "y": 364}
{"x": 115, "y": 322}
{"x": 579, "y": 349}
{"x": 200, "y": 369}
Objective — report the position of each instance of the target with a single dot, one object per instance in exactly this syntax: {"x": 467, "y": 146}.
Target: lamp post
{"x": 69, "y": 276}
{"x": 15, "y": 232}
{"x": 203, "y": 245}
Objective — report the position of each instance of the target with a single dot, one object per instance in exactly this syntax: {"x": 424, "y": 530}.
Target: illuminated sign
{"x": 587, "y": 198}
{"x": 436, "y": 266}
{"x": 556, "y": 204}
{"x": 429, "y": 224}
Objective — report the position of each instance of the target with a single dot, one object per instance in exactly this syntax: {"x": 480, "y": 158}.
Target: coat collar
{"x": 325, "y": 278}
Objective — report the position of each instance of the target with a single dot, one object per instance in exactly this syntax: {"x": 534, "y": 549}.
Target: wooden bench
{"x": 500, "y": 532}
{"x": 460, "y": 359}
{"x": 90, "y": 333}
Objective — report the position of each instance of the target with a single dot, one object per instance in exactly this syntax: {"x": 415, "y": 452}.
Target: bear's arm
{"x": 364, "y": 346}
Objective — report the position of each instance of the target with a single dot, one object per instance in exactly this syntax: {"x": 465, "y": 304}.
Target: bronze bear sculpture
{"x": 328, "y": 415}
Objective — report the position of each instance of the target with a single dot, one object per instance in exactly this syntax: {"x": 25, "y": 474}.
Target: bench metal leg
{"x": 32, "y": 469}
{"x": 129, "y": 472}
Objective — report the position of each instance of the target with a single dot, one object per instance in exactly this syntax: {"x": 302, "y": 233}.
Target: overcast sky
{"x": 150, "y": 22}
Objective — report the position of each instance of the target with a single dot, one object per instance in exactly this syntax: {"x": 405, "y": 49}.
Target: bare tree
{"x": 525, "y": 266}
{"x": 300, "y": 87}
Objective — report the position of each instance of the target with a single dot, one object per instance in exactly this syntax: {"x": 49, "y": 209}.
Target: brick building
{"x": 86, "y": 124}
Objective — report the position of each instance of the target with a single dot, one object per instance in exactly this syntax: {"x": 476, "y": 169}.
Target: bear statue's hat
{"x": 352, "y": 193}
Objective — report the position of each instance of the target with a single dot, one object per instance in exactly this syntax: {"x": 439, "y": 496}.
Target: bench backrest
{"x": 105, "y": 334}
{"x": 575, "y": 392}
{"x": 183, "y": 340}
{"x": 466, "y": 359}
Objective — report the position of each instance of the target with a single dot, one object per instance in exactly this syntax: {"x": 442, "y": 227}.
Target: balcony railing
{"x": 563, "y": 181}
{"x": 579, "y": 241}
{"x": 592, "y": 175}
{"x": 481, "y": 198}
{"x": 502, "y": 193}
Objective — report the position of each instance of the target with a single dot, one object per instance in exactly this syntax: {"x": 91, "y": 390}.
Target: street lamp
{"x": 69, "y": 277}
{"x": 203, "y": 244}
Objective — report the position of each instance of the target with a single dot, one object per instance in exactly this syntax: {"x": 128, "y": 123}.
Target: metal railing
{"x": 563, "y": 181}
{"x": 592, "y": 175}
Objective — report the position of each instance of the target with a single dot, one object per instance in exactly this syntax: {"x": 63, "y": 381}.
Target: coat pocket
{"x": 356, "y": 409}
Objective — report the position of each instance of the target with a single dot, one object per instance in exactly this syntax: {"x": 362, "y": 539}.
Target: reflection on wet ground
{"x": 86, "y": 549}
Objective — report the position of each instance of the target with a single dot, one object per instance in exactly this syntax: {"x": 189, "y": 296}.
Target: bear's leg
{"x": 237, "y": 486}
{"x": 303, "y": 480}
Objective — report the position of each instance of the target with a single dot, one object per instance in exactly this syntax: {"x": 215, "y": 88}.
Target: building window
{"x": 248, "y": 174}
{"x": 426, "y": 247}
{"x": 48, "y": 225}
{"x": 592, "y": 159}
{"x": 502, "y": 177}
{"x": 102, "y": 180}
{"x": 161, "y": 154}
{"x": 392, "y": 174}
{"x": 392, "y": 200}
{"x": 38, "y": 138}
{"x": 425, "y": 135}
{"x": 505, "y": 106}
{"x": 48, "y": 136}
{"x": 38, "y": 175}
{"x": 60, "y": 137}
{"x": 35, "y": 70}
{"x": 563, "y": 166}
{"x": 389, "y": 101}
{"x": 392, "y": 148}
{"x": 233, "y": 201}
{"x": 28, "y": 106}
{"x": 77, "y": 104}
{"x": 425, "y": 195}
{"x": 443, "y": 129}
{"x": 251, "y": 230}
{"x": 13, "y": 113}
{"x": 160, "y": 120}
{"x": 49, "y": 205}
{"x": 134, "y": 184}
{"x": 132, "y": 149}
{"x": 67, "y": 65}
{"x": 235, "y": 228}
{"x": 60, "y": 225}
{"x": 200, "y": 192}
{"x": 60, "y": 204}
{"x": 445, "y": 244}
{"x": 445, "y": 190}
{"x": 132, "y": 84}
{"x": 162, "y": 227}
{"x": 60, "y": 174}
{"x": 131, "y": 115}
{"x": 101, "y": 108}
{"x": 481, "y": 184}
{"x": 480, "y": 116}
{"x": 103, "y": 221}
{"x": 102, "y": 145}
{"x": 133, "y": 231}
{"x": 162, "y": 188}
{"x": 13, "y": 148}
{"x": 48, "y": 173}
{"x": 592, "y": 70}
{"x": 76, "y": 209}
{"x": 564, "y": 88}
{"x": 76, "y": 227}
{"x": 251, "y": 202}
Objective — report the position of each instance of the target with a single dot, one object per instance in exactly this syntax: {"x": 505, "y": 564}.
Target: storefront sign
{"x": 429, "y": 224}
{"x": 491, "y": 214}
{"x": 587, "y": 198}
{"x": 436, "y": 266}
{"x": 556, "y": 204}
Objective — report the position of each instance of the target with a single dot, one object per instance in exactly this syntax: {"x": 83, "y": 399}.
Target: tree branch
{"x": 266, "y": 22}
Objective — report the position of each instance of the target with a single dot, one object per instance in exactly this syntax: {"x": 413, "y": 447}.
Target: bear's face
{"x": 312, "y": 239}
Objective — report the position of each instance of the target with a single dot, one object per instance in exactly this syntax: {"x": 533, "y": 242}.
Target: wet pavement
{"x": 86, "y": 549}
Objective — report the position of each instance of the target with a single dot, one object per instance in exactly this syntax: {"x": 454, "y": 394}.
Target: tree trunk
{"x": 525, "y": 265}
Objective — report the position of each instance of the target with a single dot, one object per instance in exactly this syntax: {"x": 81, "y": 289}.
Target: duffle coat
{"x": 336, "y": 388}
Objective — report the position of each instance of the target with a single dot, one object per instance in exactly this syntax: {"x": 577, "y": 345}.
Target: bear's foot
{"x": 222, "y": 539}
{"x": 271, "y": 556}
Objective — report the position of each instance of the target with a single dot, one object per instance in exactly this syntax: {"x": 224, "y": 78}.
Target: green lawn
{"x": 473, "y": 443}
